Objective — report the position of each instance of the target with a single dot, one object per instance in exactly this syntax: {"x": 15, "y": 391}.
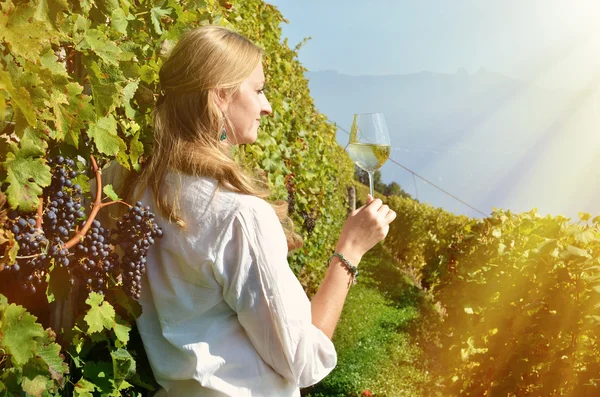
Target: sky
{"x": 548, "y": 44}
{"x": 555, "y": 43}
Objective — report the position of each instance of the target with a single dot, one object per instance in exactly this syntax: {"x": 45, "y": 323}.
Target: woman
{"x": 223, "y": 315}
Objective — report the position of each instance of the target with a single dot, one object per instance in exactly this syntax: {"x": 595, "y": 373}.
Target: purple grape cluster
{"x": 135, "y": 235}
{"x": 30, "y": 268}
{"x": 93, "y": 260}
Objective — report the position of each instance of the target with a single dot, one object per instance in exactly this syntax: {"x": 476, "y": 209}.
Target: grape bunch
{"x": 95, "y": 258}
{"x": 30, "y": 269}
{"x": 135, "y": 235}
{"x": 64, "y": 208}
{"x": 92, "y": 257}
{"x": 309, "y": 222}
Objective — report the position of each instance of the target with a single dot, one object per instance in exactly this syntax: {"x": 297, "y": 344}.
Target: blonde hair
{"x": 207, "y": 62}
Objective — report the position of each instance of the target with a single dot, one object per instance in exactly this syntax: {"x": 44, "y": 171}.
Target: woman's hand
{"x": 365, "y": 227}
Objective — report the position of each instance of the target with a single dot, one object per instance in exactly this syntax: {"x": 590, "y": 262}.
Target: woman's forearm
{"x": 328, "y": 302}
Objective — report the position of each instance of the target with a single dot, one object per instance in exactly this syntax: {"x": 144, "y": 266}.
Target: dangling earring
{"x": 223, "y": 130}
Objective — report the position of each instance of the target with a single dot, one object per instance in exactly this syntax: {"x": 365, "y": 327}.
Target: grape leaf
{"x": 104, "y": 134}
{"x": 19, "y": 328}
{"x": 155, "y": 15}
{"x": 110, "y": 192}
{"x": 122, "y": 333}
{"x": 103, "y": 46}
{"x": 83, "y": 388}
{"x": 25, "y": 36}
{"x": 59, "y": 286}
{"x": 20, "y": 97}
{"x": 26, "y": 176}
{"x": 100, "y": 373}
{"x": 72, "y": 116}
{"x": 108, "y": 6}
{"x": 119, "y": 21}
{"x": 50, "y": 353}
{"x": 123, "y": 364}
{"x": 36, "y": 378}
{"x": 2, "y": 107}
{"x": 101, "y": 314}
{"x": 136, "y": 149}
{"x": 105, "y": 87}
{"x": 48, "y": 10}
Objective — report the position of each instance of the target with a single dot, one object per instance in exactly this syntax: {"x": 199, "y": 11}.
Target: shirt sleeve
{"x": 269, "y": 301}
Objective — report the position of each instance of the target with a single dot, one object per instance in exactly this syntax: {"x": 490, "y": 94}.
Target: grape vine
{"x": 64, "y": 237}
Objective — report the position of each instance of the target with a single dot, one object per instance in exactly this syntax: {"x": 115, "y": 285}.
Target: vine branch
{"x": 96, "y": 206}
{"x": 40, "y": 212}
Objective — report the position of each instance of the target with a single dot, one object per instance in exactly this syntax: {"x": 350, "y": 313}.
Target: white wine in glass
{"x": 369, "y": 145}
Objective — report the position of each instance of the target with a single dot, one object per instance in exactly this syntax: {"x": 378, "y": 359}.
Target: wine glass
{"x": 369, "y": 145}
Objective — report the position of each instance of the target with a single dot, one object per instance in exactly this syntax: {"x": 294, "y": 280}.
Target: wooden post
{"x": 351, "y": 198}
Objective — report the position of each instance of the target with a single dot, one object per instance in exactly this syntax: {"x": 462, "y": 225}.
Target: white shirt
{"x": 223, "y": 314}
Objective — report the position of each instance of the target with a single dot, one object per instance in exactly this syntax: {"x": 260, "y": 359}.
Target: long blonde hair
{"x": 207, "y": 62}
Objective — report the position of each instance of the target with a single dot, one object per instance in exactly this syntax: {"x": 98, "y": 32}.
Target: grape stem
{"x": 40, "y": 211}
{"x": 96, "y": 206}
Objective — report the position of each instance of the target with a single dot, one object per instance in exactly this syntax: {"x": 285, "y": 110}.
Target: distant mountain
{"x": 491, "y": 140}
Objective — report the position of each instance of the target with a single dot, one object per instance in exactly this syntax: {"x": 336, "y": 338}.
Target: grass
{"x": 377, "y": 350}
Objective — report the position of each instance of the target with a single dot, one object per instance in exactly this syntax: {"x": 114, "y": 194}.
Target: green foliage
{"x": 31, "y": 360}
{"x": 517, "y": 299}
{"x": 297, "y": 147}
{"x": 75, "y": 72}
{"x": 376, "y": 350}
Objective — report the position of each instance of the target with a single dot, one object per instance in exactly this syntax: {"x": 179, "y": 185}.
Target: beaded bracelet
{"x": 353, "y": 270}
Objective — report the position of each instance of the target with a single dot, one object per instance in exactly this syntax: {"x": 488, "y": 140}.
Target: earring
{"x": 223, "y": 134}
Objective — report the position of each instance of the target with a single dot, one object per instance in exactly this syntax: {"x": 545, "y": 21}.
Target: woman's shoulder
{"x": 206, "y": 194}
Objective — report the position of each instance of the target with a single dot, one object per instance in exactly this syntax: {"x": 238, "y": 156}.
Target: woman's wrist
{"x": 350, "y": 253}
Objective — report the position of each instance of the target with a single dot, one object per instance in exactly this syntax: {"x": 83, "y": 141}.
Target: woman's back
{"x": 222, "y": 312}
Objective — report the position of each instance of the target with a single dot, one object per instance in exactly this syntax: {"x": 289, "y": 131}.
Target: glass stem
{"x": 371, "y": 183}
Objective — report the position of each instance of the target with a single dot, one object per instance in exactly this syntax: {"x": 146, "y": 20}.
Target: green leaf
{"x": 101, "y": 314}
{"x": 72, "y": 116}
{"x": 119, "y": 21}
{"x": 48, "y": 10}
{"x": 103, "y": 46}
{"x": 106, "y": 83}
{"x": 19, "y": 328}
{"x": 59, "y": 286}
{"x": 110, "y": 192}
{"x": 108, "y": 6}
{"x": 50, "y": 352}
{"x": 20, "y": 97}
{"x": 136, "y": 149}
{"x": 123, "y": 364}
{"x": 122, "y": 332}
{"x": 132, "y": 306}
{"x": 100, "y": 373}
{"x": 104, "y": 134}
{"x": 155, "y": 15}
{"x": 83, "y": 388}
{"x": 25, "y": 36}
{"x": 36, "y": 378}
{"x": 575, "y": 251}
{"x": 584, "y": 216}
{"x": 26, "y": 177}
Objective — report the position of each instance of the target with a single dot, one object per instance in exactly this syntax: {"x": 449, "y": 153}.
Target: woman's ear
{"x": 221, "y": 99}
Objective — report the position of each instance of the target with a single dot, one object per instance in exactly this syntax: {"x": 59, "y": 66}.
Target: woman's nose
{"x": 265, "y": 107}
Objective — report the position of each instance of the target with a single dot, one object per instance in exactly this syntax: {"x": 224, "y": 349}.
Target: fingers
{"x": 383, "y": 209}
{"x": 390, "y": 216}
{"x": 374, "y": 204}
